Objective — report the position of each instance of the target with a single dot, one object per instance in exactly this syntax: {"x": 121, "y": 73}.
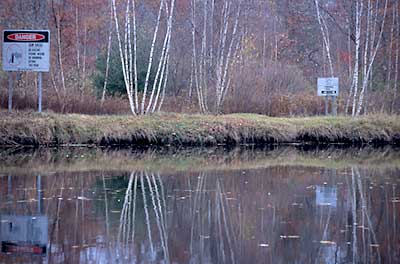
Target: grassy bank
{"x": 194, "y": 130}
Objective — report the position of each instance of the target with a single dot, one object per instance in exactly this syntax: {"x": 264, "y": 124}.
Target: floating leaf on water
{"x": 290, "y": 237}
{"x": 325, "y": 204}
{"x": 297, "y": 204}
{"x": 374, "y": 245}
{"x": 263, "y": 245}
{"x": 326, "y": 242}
{"x": 76, "y": 246}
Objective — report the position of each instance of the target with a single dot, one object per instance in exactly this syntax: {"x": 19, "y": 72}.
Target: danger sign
{"x": 26, "y": 50}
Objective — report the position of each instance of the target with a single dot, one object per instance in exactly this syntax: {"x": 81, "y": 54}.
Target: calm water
{"x": 233, "y": 210}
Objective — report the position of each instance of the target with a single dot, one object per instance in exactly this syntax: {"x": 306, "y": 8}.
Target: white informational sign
{"x": 328, "y": 86}
{"x": 26, "y": 50}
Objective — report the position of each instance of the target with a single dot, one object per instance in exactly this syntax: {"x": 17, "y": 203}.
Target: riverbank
{"x": 48, "y": 129}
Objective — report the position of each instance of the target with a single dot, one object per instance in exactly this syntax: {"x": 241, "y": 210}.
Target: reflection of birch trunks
{"x": 365, "y": 212}
{"x": 127, "y": 224}
{"x": 211, "y": 224}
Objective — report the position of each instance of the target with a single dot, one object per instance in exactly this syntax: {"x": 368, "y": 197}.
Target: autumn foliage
{"x": 277, "y": 54}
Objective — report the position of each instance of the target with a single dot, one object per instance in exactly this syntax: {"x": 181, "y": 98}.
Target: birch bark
{"x": 396, "y": 74}
{"x": 103, "y": 96}
{"x": 146, "y": 84}
{"x": 371, "y": 62}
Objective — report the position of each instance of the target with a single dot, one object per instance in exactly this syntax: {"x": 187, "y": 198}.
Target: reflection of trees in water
{"x": 126, "y": 230}
{"x": 254, "y": 216}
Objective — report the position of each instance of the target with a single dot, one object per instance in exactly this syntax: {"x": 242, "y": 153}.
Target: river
{"x": 242, "y": 205}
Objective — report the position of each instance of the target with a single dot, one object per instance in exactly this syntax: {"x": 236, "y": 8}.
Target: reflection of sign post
{"x": 329, "y": 88}
{"x": 24, "y": 234}
{"x": 26, "y": 50}
{"x": 326, "y": 196}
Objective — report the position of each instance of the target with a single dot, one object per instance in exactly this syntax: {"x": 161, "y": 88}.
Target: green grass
{"x": 50, "y": 129}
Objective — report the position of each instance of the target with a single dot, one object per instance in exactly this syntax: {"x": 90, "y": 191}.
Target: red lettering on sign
{"x": 26, "y": 37}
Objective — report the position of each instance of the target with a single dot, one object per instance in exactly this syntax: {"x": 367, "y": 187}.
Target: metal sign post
{"x": 39, "y": 92}
{"x": 10, "y": 91}
{"x": 26, "y": 50}
{"x": 329, "y": 88}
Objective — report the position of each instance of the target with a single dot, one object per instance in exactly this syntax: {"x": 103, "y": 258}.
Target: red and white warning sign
{"x": 26, "y": 50}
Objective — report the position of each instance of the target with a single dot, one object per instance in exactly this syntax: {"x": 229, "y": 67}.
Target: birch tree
{"x": 214, "y": 50}
{"x": 325, "y": 36}
{"x": 396, "y": 74}
{"x": 110, "y": 34}
{"x": 368, "y": 62}
{"x": 354, "y": 85}
{"x": 127, "y": 44}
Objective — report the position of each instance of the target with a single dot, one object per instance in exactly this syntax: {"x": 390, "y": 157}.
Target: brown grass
{"x": 50, "y": 129}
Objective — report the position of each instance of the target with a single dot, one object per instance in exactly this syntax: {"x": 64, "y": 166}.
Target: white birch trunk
{"x": 135, "y": 72}
{"x": 150, "y": 62}
{"x": 103, "y": 96}
{"x": 228, "y": 59}
{"x": 359, "y": 11}
{"x": 123, "y": 55}
{"x": 396, "y": 74}
{"x": 161, "y": 65}
{"x": 194, "y": 51}
{"x": 325, "y": 36}
{"x": 350, "y": 69}
{"x": 164, "y": 70}
{"x": 84, "y": 60}
{"x": 59, "y": 50}
{"x": 221, "y": 57}
{"x": 164, "y": 86}
{"x": 371, "y": 62}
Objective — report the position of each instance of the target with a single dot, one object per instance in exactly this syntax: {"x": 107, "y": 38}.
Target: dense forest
{"x": 210, "y": 56}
